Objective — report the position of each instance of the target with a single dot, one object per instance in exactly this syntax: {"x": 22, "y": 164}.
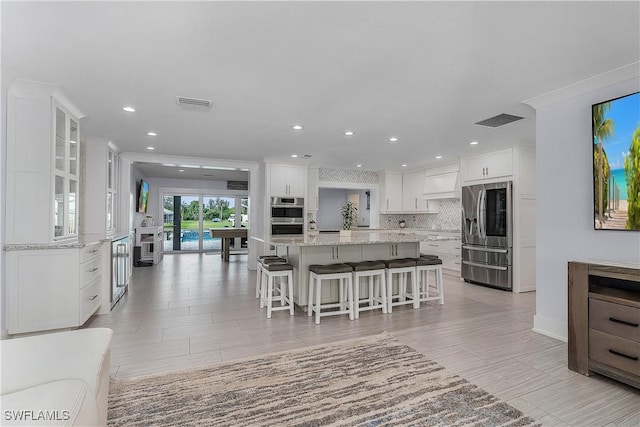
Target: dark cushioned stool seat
{"x": 261, "y": 257}
{"x": 399, "y": 263}
{"x": 428, "y": 256}
{"x": 367, "y": 265}
{"x": 268, "y": 261}
{"x": 330, "y": 269}
{"x": 428, "y": 261}
{"x": 278, "y": 266}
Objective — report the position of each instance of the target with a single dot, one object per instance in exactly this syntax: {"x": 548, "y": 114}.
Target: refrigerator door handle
{"x": 475, "y": 248}
{"x": 478, "y": 219}
{"x": 489, "y": 266}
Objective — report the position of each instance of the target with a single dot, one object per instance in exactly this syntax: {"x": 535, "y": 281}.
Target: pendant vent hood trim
{"x": 442, "y": 186}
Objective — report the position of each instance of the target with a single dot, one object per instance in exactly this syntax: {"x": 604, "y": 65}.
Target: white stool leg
{"x": 415, "y": 289}
{"x": 440, "y": 285}
{"x": 310, "y": 305}
{"x": 383, "y": 292}
{"x": 318, "y": 295}
{"x": 350, "y": 297}
{"x": 263, "y": 289}
{"x": 290, "y": 296}
{"x": 269, "y": 295}
{"x": 389, "y": 291}
{"x": 356, "y": 291}
{"x": 258, "y": 280}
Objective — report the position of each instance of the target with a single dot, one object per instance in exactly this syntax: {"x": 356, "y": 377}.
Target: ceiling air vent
{"x": 181, "y": 100}
{"x": 499, "y": 120}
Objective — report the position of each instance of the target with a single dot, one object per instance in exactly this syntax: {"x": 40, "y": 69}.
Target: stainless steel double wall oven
{"x": 287, "y": 216}
{"x": 487, "y": 234}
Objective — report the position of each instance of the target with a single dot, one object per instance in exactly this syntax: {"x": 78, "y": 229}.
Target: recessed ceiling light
{"x": 152, "y": 134}
{"x": 473, "y": 143}
{"x": 129, "y": 109}
{"x": 294, "y": 155}
{"x": 358, "y": 166}
{"x": 404, "y": 165}
{"x": 151, "y": 148}
{"x": 393, "y": 139}
{"x": 438, "y": 157}
{"x": 180, "y": 170}
{"x": 297, "y": 127}
{"x": 349, "y": 133}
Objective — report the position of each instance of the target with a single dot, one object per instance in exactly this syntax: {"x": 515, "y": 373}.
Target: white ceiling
{"x": 424, "y": 72}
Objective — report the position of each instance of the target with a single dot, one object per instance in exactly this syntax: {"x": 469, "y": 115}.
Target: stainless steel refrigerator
{"x": 487, "y": 234}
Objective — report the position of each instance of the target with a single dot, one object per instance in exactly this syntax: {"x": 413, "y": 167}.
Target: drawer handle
{"x": 93, "y": 297}
{"x": 93, "y": 251}
{"x": 617, "y": 353}
{"x": 93, "y": 269}
{"x": 613, "y": 319}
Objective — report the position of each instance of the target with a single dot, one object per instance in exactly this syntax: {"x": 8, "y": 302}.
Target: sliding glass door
{"x": 188, "y": 219}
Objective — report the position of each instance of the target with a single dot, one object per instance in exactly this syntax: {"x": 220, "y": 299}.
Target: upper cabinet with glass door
{"x": 65, "y": 215}
{"x": 42, "y": 192}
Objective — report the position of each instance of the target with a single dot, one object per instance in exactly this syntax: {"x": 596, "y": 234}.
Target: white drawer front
{"x": 89, "y": 271}
{"x": 89, "y": 251}
{"x": 89, "y": 300}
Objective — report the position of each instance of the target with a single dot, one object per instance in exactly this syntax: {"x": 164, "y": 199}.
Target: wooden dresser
{"x": 604, "y": 320}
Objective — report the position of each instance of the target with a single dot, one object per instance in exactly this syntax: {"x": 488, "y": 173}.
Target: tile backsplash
{"x": 347, "y": 175}
{"x": 447, "y": 219}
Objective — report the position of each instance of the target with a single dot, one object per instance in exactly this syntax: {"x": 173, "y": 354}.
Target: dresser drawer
{"x": 615, "y": 319}
{"x": 89, "y": 271}
{"x": 89, "y": 300}
{"x": 89, "y": 251}
{"x": 614, "y": 351}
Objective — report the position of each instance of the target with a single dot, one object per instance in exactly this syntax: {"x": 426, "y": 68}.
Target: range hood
{"x": 442, "y": 186}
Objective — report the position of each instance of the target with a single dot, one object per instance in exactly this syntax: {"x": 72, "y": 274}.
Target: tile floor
{"x": 192, "y": 310}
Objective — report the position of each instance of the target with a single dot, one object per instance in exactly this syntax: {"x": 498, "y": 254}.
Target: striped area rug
{"x": 374, "y": 381}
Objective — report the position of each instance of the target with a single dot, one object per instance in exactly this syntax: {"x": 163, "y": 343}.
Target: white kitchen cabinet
{"x": 488, "y": 166}
{"x": 447, "y": 250}
{"x": 99, "y": 189}
{"x": 390, "y": 192}
{"x": 324, "y": 255}
{"x": 386, "y": 251}
{"x": 287, "y": 180}
{"x": 312, "y": 201}
{"x": 43, "y": 164}
{"x": 151, "y": 244}
{"x": 413, "y": 194}
{"x": 52, "y": 288}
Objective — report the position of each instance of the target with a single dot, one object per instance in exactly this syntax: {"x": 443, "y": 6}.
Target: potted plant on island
{"x": 349, "y": 213}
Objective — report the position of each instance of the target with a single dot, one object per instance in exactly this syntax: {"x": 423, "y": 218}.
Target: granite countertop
{"x": 357, "y": 238}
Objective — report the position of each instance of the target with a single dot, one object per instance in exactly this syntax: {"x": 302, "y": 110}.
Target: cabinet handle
{"x": 617, "y": 353}
{"x": 93, "y": 269}
{"x": 387, "y": 203}
{"x": 93, "y": 251}
{"x": 337, "y": 252}
{"x": 93, "y": 297}
{"x": 416, "y": 202}
{"x": 613, "y": 319}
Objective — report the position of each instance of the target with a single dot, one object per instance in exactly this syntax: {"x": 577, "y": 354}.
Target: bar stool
{"x": 402, "y": 268}
{"x": 320, "y": 273}
{"x": 424, "y": 265}
{"x": 259, "y": 272}
{"x": 377, "y": 297}
{"x": 271, "y": 286}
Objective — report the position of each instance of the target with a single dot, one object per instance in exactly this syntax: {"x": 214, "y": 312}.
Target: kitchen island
{"x": 333, "y": 248}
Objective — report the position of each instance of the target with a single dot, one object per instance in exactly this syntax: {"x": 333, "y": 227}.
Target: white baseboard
{"x": 550, "y": 327}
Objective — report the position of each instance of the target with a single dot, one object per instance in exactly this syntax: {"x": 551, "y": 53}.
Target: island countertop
{"x": 356, "y": 238}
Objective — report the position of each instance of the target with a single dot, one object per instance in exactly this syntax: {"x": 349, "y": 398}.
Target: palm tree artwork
{"x": 602, "y": 130}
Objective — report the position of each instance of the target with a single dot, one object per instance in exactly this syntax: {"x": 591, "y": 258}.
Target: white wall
{"x": 330, "y": 202}
{"x": 564, "y": 224}
{"x": 3, "y": 155}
